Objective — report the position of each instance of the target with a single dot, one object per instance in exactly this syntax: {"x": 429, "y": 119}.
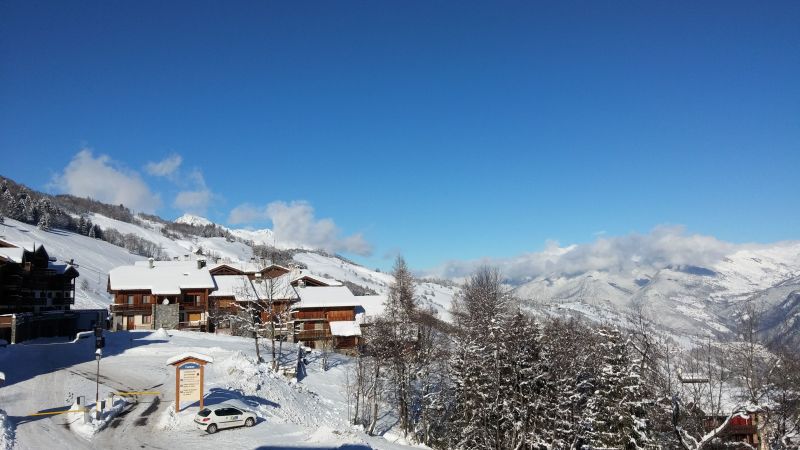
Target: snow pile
{"x": 240, "y": 372}
{"x": 87, "y": 430}
{"x": 160, "y": 334}
{"x": 6, "y": 432}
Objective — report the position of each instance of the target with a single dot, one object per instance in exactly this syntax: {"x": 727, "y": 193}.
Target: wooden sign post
{"x": 189, "y": 375}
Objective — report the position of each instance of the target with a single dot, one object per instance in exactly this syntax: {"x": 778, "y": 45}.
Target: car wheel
{"x": 212, "y": 429}
{"x": 249, "y": 422}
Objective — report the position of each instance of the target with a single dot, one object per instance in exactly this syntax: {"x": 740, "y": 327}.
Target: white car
{"x": 222, "y": 416}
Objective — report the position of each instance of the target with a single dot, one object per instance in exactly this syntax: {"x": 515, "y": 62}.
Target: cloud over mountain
{"x": 663, "y": 246}
{"x": 294, "y": 223}
{"x": 102, "y": 179}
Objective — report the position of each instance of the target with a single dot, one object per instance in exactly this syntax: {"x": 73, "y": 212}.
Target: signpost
{"x": 189, "y": 374}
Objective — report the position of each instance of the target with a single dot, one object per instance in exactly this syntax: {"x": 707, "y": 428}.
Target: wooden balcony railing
{"x": 312, "y": 335}
{"x": 139, "y": 308}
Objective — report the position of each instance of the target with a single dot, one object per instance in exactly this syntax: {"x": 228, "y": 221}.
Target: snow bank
{"x": 87, "y": 430}
{"x": 239, "y": 372}
{"x": 6, "y": 432}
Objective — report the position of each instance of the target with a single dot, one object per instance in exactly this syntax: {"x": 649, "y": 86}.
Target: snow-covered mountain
{"x": 191, "y": 219}
{"x": 687, "y": 300}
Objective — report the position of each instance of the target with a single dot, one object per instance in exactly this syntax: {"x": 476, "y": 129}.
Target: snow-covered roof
{"x": 164, "y": 278}
{"x": 12, "y": 254}
{"x": 248, "y": 266}
{"x": 345, "y": 328}
{"x": 278, "y": 288}
{"x": 188, "y": 355}
{"x": 326, "y": 296}
{"x": 373, "y": 304}
{"x": 237, "y": 286}
{"x": 322, "y": 280}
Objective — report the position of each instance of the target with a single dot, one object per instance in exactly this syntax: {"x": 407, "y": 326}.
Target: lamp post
{"x": 97, "y": 355}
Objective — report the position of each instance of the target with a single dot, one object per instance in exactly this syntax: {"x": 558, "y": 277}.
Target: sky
{"x": 445, "y": 131}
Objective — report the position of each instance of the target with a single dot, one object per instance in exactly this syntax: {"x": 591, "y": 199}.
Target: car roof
{"x": 230, "y": 404}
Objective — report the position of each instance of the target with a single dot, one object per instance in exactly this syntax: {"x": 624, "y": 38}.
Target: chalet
{"x": 270, "y": 296}
{"x": 331, "y": 315}
{"x": 741, "y": 428}
{"x": 156, "y": 294}
{"x": 36, "y": 293}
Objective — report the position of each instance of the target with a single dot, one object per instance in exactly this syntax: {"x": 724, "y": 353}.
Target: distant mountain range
{"x": 686, "y": 300}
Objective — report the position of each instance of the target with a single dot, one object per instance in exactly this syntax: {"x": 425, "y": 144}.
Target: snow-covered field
{"x": 46, "y": 375}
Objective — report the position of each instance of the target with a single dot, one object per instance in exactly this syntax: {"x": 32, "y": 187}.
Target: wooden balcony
{"x": 135, "y": 308}
{"x": 312, "y": 335}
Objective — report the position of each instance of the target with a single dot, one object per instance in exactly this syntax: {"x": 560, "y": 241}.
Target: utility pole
{"x": 99, "y": 343}
{"x": 97, "y": 355}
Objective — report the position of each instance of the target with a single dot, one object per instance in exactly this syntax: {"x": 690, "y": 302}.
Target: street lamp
{"x": 98, "y": 354}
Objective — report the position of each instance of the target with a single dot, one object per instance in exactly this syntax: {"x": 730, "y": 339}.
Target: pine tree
{"x": 401, "y": 312}
{"x": 44, "y": 221}
{"x": 614, "y": 413}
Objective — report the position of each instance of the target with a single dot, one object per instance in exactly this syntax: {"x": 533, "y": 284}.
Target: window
{"x": 318, "y": 326}
{"x": 147, "y": 299}
{"x": 130, "y": 299}
{"x": 147, "y": 319}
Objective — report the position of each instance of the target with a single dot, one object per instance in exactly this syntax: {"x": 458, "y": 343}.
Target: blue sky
{"x": 444, "y": 130}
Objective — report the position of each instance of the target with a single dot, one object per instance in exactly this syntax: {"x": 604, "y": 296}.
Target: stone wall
{"x": 166, "y": 316}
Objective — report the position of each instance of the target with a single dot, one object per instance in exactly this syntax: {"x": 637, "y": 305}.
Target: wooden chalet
{"x": 160, "y": 294}
{"x": 36, "y": 294}
{"x": 237, "y": 284}
{"x": 327, "y": 316}
{"x": 741, "y": 428}
{"x": 31, "y": 281}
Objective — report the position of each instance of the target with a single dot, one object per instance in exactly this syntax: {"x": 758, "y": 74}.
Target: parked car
{"x": 222, "y": 416}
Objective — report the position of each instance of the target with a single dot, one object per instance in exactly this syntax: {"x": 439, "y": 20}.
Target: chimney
{"x": 201, "y": 263}
{"x": 150, "y": 260}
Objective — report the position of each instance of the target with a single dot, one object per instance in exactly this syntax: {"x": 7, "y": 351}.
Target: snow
{"x": 165, "y": 278}
{"x": 326, "y": 296}
{"x": 49, "y": 376}
{"x": 6, "y": 432}
{"x": 237, "y": 286}
{"x": 303, "y": 274}
{"x": 345, "y": 328}
{"x": 278, "y": 288}
{"x": 191, "y": 219}
{"x": 12, "y": 253}
{"x": 188, "y": 355}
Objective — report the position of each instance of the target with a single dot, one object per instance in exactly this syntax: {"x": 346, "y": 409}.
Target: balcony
{"x": 312, "y": 335}
{"x": 192, "y": 308}
{"x": 117, "y": 308}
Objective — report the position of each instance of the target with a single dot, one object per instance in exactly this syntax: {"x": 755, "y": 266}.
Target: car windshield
{"x": 204, "y": 412}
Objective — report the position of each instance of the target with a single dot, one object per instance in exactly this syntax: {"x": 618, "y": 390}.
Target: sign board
{"x": 189, "y": 369}
{"x": 189, "y": 382}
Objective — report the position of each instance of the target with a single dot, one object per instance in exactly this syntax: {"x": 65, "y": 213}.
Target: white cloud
{"x": 247, "y": 213}
{"x": 197, "y": 199}
{"x": 165, "y": 167}
{"x": 101, "y": 179}
{"x": 294, "y": 224}
{"x": 663, "y": 246}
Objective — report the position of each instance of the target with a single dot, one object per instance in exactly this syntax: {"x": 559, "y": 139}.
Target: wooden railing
{"x": 124, "y": 307}
{"x": 312, "y": 335}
